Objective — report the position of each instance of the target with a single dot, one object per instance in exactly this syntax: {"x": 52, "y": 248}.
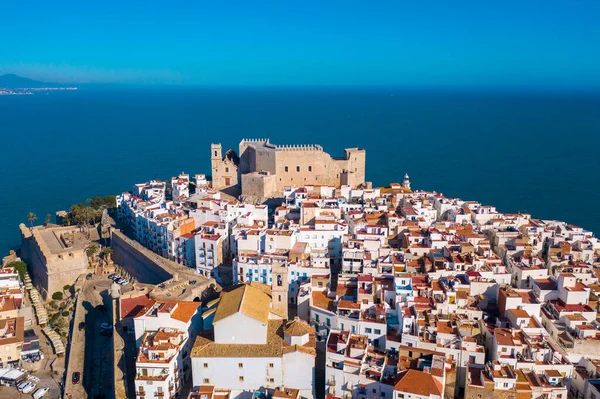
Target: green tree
{"x": 47, "y": 219}
{"x": 66, "y": 288}
{"x": 91, "y": 251}
{"x": 106, "y": 252}
{"x": 20, "y": 267}
{"x": 32, "y": 217}
{"x": 57, "y": 296}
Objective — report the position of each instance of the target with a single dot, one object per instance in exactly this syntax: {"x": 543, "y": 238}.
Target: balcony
{"x": 159, "y": 395}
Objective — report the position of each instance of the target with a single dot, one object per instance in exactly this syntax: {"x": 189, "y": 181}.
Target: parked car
{"x": 81, "y": 325}
{"x": 76, "y": 377}
{"x": 89, "y": 276}
{"x": 29, "y": 387}
{"x": 106, "y": 326}
{"x": 111, "y": 276}
{"x": 124, "y": 282}
{"x": 40, "y": 393}
{"x": 21, "y": 385}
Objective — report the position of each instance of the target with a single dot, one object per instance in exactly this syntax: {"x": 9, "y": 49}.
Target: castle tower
{"x": 406, "y": 182}
{"x": 279, "y": 288}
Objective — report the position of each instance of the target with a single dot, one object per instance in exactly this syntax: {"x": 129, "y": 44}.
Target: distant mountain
{"x": 12, "y": 81}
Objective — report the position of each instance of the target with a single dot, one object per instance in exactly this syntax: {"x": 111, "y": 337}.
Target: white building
{"x": 160, "y": 364}
{"x": 254, "y": 348}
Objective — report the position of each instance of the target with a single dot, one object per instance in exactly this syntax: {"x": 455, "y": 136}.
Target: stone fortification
{"x": 265, "y": 169}
{"x": 52, "y": 263}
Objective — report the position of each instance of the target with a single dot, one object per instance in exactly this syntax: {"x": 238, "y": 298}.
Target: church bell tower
{"x": 279, "y": 288}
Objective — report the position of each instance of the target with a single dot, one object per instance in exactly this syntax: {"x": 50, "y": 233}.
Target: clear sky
{"x": 322, "y": 42}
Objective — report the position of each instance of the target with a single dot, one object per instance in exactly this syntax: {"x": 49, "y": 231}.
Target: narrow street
{"x": 97, "y": 373}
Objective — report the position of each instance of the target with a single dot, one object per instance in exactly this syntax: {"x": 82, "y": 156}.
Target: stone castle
{"x": 263, "y": 168}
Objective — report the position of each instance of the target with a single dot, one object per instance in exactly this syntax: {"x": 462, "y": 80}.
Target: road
{"x": 91, "y": 352}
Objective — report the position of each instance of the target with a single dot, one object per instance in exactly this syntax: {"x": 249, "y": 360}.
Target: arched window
{"x": 215, "y": 153}
{"x": 286, "y": 168}
{"x": 226, "y": 170}
{"x": 297, "y": 168}
{"x": 310, "y": 168}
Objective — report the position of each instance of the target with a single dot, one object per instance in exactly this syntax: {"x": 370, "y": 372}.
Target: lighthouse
{"x": 406, "y": 182}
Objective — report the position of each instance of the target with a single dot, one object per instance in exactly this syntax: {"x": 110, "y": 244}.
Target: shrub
{"x": 57, "y": 296}
{"x": 65, "y": 313}
{"x": 20, "y": 267}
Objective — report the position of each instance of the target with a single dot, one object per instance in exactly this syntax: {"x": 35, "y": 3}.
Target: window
{"x": 374, "y": 390}
{"x": 286, "y": 168}
{"x": 241, "y": 365}
{"x": 377, "y": 331}
{"x": 383, "y": 394}
{"x": 241, "y": 378}
{"x": 310, "y": 168}
{"x": 506, "y": 385}
{"x": 205, "y": 365}
{"x": 328, "y": 322}
{"x": 215, "y": 153}
{"x": 297, "y": 168}
{"x": 206, "y": 380}
{"x": 368, "y": 330}
{"x": 270, "y": 365}
{"x": 271, "y": 380}
{"x": 226, "y": 170}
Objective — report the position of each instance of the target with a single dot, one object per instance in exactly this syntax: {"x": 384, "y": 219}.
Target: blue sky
{"x": 430, "y": 43}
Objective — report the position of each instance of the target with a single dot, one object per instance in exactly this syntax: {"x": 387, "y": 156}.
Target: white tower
{"x": 406, "y": 182}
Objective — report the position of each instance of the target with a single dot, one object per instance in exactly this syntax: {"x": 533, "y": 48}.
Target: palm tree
{"x": 90, "y": 251}
{"x": 47, "y": 219}
{"x": 32, "y": 217}
{"x": 105, "y": 253}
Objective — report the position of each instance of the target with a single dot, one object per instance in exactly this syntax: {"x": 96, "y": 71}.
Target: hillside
{"x": 12, "y": 81}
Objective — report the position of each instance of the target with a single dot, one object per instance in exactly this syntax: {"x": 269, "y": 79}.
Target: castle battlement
{"x": 266, "y": 141}
{"x": 299, "y": 147}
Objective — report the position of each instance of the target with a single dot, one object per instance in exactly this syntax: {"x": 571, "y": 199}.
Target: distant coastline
{"x": 32, "y": 90}
{"x": 11, "y": 85}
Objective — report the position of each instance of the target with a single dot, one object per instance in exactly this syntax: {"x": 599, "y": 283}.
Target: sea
{"x": 521, "y": 150}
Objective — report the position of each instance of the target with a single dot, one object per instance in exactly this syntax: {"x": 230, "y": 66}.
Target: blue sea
{"x": 528, "y": 151}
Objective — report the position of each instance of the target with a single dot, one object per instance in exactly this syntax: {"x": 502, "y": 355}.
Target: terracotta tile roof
{"x": 129, "y": 307}
{"x": 297, "y": 328}
{"x": 418, "y": 383}
{"x": 322, "y": 301}
{"x": 185, "y": 311}
{"x": 275, "y": 346}
{"x": 247, "y": 299}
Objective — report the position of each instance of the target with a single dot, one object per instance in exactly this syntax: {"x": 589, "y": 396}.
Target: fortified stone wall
{"x": 50, "y": 272}
{"x": 142, "y": 267}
